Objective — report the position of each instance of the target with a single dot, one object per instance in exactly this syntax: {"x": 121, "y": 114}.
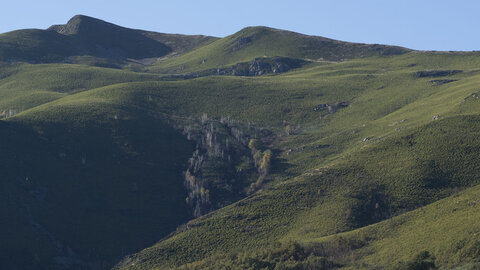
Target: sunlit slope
{"x": 443, "y": 234}
{"x": 345, "y": 182}
{"x": 253, "y": 42}
{"x": 448, "y": 229}
{"x": 25, "y": 86}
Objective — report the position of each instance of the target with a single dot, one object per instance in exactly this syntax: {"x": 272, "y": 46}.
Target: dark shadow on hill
{"x": 82, "y": 196}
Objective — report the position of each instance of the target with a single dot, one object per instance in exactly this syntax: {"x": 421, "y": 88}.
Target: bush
{"x": 423, "y": 261}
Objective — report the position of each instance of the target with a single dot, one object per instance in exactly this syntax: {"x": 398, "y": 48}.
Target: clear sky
{"x": 416, "y": 24}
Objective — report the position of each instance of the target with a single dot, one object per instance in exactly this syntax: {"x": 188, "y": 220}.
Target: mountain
{"x": 100, "y": 38}
{"x": 84, "y": 35}
{"x": 266, "y": 149}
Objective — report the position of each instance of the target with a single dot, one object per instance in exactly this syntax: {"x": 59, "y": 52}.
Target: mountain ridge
{"x": 84, "y": 35}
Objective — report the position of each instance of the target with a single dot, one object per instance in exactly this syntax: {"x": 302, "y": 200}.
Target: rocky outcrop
{"x": 331, "y": 107}
{"x": 257, "y": 67}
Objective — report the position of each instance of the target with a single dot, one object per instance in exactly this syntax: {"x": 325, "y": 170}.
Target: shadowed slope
{"x": 103, "y": 39}
{"x": 84, "y": 35}
{"x": 87, "y": 181}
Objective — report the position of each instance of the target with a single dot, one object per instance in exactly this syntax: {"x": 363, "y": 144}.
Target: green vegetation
{"x": 404, "y": 242}
{"x": 24, "y": 86}
{"x": 255, "y": 42}
{"x": 368, "y": 162}
{"x": 345, "y": 182}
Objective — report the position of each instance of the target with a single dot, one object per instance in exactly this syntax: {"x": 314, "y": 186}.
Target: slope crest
{"x": 261, "y": 41}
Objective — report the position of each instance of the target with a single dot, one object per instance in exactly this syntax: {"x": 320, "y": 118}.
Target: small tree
{"x": 423, "y": 261}
{"x": 257, "y": 158}
{"x": 266, "y": 160}
{"x": 288, "y": 130}
{"x": 254, "y": 145}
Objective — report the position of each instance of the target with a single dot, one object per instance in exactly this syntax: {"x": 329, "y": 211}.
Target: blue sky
{"x": 420, "y": 24}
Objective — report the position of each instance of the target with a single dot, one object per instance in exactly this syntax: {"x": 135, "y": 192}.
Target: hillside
{"x": 258, "y": 42}
{"x": 356, "y": 156}
{"x": 344, "y": 181}
{"x": 425, "y": 237}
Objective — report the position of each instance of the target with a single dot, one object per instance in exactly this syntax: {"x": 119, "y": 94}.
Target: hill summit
{"x": 87, "y": 36}
{"x": 261, "y": 42}
{"x": 100, "y": 38}
{"x": 79, "y": 24}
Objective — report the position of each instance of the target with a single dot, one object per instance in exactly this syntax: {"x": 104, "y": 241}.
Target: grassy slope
{"x": 386, "y": 245}
{"x": 421, "y": 160}
{"x": 447, "y": 228}
{"x": 24, "y": 86}
{"x": 77, "y": 124}
{"x": 374, "y": 184}
{"x": 383, "y": 91}
{"x": 254, "y": 42}
{"x": 34, "y": 45}
{"x": 181, "y": 43}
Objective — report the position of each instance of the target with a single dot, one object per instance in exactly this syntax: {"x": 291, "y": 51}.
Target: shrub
{"x": 422, "y": 261}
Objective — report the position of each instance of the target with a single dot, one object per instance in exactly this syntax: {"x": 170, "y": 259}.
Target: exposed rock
{"x": 262, "y": 66}
{"x": 320, "y": 107}
{"x": 333, "y": 107}
{"x": 366, "y": 139}
{"x": 436, "y": 117}
{"x": 258, "y": 67}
